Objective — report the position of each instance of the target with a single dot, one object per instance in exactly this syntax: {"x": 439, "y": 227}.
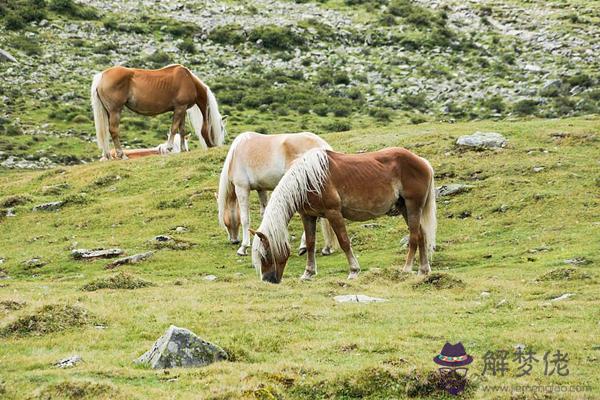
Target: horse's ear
{"x": 261, "y": 235}
{"x": 252, "y": 231}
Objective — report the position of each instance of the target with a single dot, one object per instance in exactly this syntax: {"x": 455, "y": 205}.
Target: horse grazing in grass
{"x": 257, "y": 162}
{"x": 152, "y": 92}
{"x": 358, "y": 187}
{"x": 180, "y": 144}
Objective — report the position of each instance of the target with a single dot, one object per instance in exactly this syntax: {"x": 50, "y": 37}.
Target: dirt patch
{"x": 122, "y": 280}
{"x": 12, "y": 305}
{"x": 48, "y": 319}
{"x": 392, "y": 274}
{"x": 78, "y": 390}
{"x": 439, "y": 280}
{"x": 13, "y": 201}
{"x": 564, "y": 274}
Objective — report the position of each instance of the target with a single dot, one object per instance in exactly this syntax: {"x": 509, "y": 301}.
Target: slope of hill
{"x": 502, "y": 245}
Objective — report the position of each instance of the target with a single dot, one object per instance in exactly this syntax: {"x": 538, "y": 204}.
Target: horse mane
{"x": 306, "y": 175}
{"x": 226, "y": 189}
{"x": 213, "y": 116}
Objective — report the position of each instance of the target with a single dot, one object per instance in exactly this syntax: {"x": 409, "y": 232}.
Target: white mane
{"x": 217, "y": 130}
{"x": 307, "y": 174}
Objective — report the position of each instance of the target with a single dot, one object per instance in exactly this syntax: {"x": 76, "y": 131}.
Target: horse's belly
{"x": 364, "y": 206}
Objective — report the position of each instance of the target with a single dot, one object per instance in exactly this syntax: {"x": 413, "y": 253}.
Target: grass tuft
{"x": 564, "y": 274}
{"x": 47, "y": 319}
{"x": 12, "y": 305}
{"x": 79, "y": 390}
{"x": 439, "y": 280}
{"x": 121, "y": 280}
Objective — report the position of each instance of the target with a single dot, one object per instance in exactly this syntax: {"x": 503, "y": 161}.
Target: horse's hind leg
{"x": 415, "y": 237}
{"x": 176, "y": 126}
{"x": 336, "y": 220}
{"x": 114, "y": 117}
{"x": 310, "y": 230}
{"x": 243, "y": 195}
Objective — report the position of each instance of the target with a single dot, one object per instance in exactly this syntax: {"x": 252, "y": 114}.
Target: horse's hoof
{"x": 236, "y": 241}
{"x": 353, "y": 275}
{"x": 301, "y": 251}
{"x": 103, "y": 158}
{"x": 326, "y": 251}
{"x": 424, "y": 271}
{"x": 307, "y": 276}
{"x": 242, "y": 251}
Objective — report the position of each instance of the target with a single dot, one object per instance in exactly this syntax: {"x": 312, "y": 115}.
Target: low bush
{"x": 232, "y": 34}
{"x": 525, "y": 107}
{"x": 275, "y": 37}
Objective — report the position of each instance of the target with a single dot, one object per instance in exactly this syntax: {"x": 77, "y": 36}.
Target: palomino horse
{"x": 257, "y": 162}
{"x": 357, "y": 187}
{"x": 152, "y": 92}
{"x": 179, "y": 145}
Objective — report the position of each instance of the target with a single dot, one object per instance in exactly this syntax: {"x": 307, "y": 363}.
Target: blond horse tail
{"x": 226, "y": 196}
{"x": 195, "y": 117}
{"x": 428, "y": 218}
{"x": 100, "y": 118}
{"x": 329, "y": 235}
{"x": 217, "y": 131}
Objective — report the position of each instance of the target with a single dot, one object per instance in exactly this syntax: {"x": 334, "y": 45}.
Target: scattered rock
{"x": 179, "y": 347}
{"x": 120, "y": 280}
{"x": 501, "y": 303}
{"x": 501, "y": 208}
{"x": 47, "y": 319}
{"x": 6, "y": 56}
{"x": 451, "y": 189}
{"x": 519, "y": 347}
{"x": 563, "y": 297}
{"x": 52, "y": 206}
{"x": 485, "y": 294}
{"x": 481, "y": 140}
{"x": 168, "y": 242}
{"x": 538, "y": 169}
{"x": 137, "y": 258}
{"x": 35, "y": 262}
{"x": 357, "y": 298}
{"x": 210, "y": 278}
{"x": 564, "y": 274}
{"x": 577, "y": 261}
{"x": 372, "y": 225}
{"x": 439, "y": 280}
{"x": 84, "y": 254}
{"x": 181, "y": 229}
{"x": 68, "y": 362}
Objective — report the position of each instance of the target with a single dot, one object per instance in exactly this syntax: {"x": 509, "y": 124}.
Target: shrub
{"x": 341, "y": 78}
{"x": 232, "y": 34}
{"x": 159, "y": 59}
{"x": 321, "y": 109}
{"x": 417, "y": 101}
{"x": 29, "y": 46}
{"x": 276, "y": 37}
{"x": 380, "y": 114}
{"x": 525, "y": 107}
{"x": 341, "y": 108}
{"x": 338, "y": 126}
{"x": 495, "y": 103}
{"x": 580, "y": 79}
{"x": 14, "y": 22}
{"x": 72, "y": 9}
{"x": 188, "y": 46}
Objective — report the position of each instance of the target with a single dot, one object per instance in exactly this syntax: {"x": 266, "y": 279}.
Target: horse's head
{"x": 231, "y": 220}
{"x": 269, "y": 265}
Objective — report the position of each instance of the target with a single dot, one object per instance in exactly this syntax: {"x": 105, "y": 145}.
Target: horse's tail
{"x": 428, "y": 217}
{"x": 100, "y": 118}
{"x": 195, "y": 118}
{"x": 329, "y": 234}
{"x": 226, "y": 195}
{"x": 214, "y": 119}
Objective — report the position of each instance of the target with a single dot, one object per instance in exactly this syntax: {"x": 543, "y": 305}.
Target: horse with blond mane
{"x": 152, "y": 92}
{"x": 257, "y": 162}
{"x": 358, "y": 187}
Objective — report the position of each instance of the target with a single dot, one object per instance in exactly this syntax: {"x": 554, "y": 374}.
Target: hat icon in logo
{"x": 453, "y": 355}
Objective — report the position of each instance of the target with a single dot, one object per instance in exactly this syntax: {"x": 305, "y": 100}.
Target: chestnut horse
{"x": 257, "y": 162}
{"x": 358, "y": 187}
{"x": 152, "y": 92}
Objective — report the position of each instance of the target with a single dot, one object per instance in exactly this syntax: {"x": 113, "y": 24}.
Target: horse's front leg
{"x": 243, "y": 195}
{"x": 310, "y": 230}
{"x": 336, "y": 220}
{"x": 178, "y": 121}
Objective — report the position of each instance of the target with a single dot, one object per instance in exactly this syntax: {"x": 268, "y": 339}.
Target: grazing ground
{"x": 292, "y": 340}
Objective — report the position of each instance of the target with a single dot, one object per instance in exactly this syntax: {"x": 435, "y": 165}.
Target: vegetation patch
{"x": 48, "y": 319}
{"x": 439, "y": 280}
{"x": 121, "y": 280}
{"x": 392, "y": 274}
{"x": 564, "y": 274}
{"x": 76, "y": 390}
{"x": 13, "y": 201}
{"x": 12, "y": 305}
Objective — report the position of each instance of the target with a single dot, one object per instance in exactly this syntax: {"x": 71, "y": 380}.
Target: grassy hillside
{"x": 292, "y": 340}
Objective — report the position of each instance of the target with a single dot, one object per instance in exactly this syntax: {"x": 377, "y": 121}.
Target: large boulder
{"x": 485, "y": 140}
{"x": 179, "y": 347}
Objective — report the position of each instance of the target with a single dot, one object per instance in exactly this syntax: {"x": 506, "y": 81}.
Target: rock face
{"x": 357, "y": 298}
{"x": 482, "y": 140}
{"x": 179, "y": 347}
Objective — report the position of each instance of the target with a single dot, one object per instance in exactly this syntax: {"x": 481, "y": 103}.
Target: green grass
{"x": 292, "y": 340}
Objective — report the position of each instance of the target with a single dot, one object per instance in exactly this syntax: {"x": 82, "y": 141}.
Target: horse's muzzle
{"x": 270, "y": 277}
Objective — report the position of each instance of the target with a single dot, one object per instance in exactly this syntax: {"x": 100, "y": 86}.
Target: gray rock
{"x": 210, "y": 278}
{"x": 357, "y": 298}
{"x": 577, "y": 261}
{"x": 486, "y": 140}
{"x": 563, "y": 297}
{"x": 451, "y": 189}
{"x": 538, "y": 169}
{"x": 68, "y": 362}
{"x": 35, "y": 262}
{"x": 52, "y": 206}
{"x": 179, "y": 347}
{"x": 485, "y": 294}
{"x": 84, "y": 254}
{"x": 6, "y": 56}
{"x": 163, "y": 238}
{"x": 136, "y": 258}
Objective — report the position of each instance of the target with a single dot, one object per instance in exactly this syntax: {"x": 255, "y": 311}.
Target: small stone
{"x": 6, "y": 56}
{"x": 179, "y": 347}
{"x": 84, "y": 254}
{"x": 563, "y": 297}
{"x": 210, "y": 278}
{"x": 52, "y": 206}
{"x": 451, "y": 189}
{"x": 501, "y": 303}
{"x": 181, "y": 229}
{"x": 35, "y": 262}
{"x": 577, "y": 261}
{"x": 485, "y": 294}
{"x": 137, "y": 258}
{"x": 519, "y": 347}
{"x": 357, "y": 298}
{"x": 68, "y": 362}
{"x": 538, "y": 169}
{"x": 482, "y": 140}
{"x": 163, "y": 238}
